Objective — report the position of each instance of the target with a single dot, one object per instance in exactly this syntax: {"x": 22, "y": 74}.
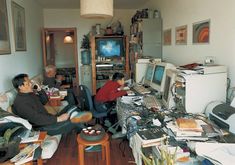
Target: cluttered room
{"x": 101, "y": 82}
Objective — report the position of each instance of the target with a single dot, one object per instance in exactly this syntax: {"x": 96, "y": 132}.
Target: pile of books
{"x": 188, "y": 129}
{"x": 151, "y": 136}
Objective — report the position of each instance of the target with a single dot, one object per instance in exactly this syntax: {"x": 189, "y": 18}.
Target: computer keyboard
{"x": 141, "y": 90}
{"x": 151, "y": 102}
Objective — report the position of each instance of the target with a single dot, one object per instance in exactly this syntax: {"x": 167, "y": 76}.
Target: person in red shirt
{"x": 108, "y": 94}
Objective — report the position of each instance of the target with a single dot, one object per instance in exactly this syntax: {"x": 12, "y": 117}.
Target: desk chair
{"x": 86, "y": 102}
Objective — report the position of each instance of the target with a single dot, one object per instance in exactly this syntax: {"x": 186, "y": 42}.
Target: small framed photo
{"x": 181, "y": 35}
{"x": 5, "y": 46}
{"x": 201, "y": 32}
{"x": 167, "y": 37}
{"x": 18, "y": 17}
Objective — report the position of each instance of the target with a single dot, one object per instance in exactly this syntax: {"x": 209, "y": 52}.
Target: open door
{"x": 60, "y": 49}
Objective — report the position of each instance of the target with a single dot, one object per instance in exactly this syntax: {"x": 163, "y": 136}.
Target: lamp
{"x": 68, "y": 38}
{"x": 96, "y": 8}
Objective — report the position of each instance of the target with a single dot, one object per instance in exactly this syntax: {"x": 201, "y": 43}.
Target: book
{"x": 151, "y": 136}
{"x": 25, "y": 155}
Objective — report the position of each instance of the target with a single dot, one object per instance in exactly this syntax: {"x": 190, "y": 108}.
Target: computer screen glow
{"x": 149, "y": 73}
{"x": 158, "y": 74}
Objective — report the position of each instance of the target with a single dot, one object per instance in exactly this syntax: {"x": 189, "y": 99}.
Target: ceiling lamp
{"x": 68, "y": 38}
{"x": 96, "y": 8}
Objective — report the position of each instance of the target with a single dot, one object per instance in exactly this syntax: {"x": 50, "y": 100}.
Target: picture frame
{"x": 181, "y": 35}
{"x": 18, "y": 18}
{"x": 201, "y": 32}
{"x": 167, "y": 37}
{"x": 5, "y": 46}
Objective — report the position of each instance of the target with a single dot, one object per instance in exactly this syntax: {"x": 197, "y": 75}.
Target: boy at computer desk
{"x": 107, "y": 95}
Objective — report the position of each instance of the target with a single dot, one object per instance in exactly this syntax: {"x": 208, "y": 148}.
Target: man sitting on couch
{"x": 28, "y": 106}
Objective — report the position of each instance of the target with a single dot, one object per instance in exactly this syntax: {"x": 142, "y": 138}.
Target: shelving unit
{"x": 107, "y": 67}
{"x": 145, "y": 40}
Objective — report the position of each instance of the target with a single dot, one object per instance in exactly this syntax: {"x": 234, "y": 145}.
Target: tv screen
{"x": 109, "y": 47}
{"x": 158, "y": 74}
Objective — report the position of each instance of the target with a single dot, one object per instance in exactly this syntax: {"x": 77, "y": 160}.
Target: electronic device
{"x": 110, "y": 47}
{"x": 159, "y": 76}
{"x": 222, "y": 114}
{"x": 150, "y": 101}
{"x": 195, "y": 91}
{"x": 149, "y": 74}
{"x": 168, "y": 93}
{"x": 141, "y": 89}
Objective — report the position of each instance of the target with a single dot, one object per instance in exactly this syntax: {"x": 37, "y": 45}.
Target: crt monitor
{"x": 110, "y": 47}
{"x": 159, "y": 76}
{"x": 168, "y": 94}
{"x": 149, "y": 74}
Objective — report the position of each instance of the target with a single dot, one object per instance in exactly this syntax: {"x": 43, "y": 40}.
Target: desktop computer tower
{"x": 195, "y": 91}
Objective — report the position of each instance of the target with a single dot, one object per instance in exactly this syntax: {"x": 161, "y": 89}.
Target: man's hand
{"x": 63, "y": 117}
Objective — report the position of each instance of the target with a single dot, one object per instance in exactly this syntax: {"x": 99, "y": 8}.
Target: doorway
{"x": 60, "y": 49}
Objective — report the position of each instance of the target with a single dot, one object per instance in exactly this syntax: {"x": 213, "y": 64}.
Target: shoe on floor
{"x": 93, "y": 148}
{"x": 80, "y": 117}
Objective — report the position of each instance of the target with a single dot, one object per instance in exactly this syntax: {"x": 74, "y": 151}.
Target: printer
{"x": 222, "y": 114}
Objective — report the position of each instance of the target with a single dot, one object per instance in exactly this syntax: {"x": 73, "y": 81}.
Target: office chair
{"x": 86, "y": 103}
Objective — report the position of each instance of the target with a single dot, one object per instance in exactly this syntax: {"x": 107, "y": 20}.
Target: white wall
{"x": 222, "y": 31}
{"x": 62, "y": 18}
{"x": 29, "y": 61}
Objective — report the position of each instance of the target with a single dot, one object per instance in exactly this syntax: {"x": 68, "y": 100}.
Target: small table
{"x": 104, "y": 142}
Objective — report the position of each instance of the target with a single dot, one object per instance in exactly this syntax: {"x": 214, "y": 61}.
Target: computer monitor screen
{"x": 149, "y": 74}
{"x": 167, "y": 88}
{"x": 167, "y": 99}
{"x": 158, "y": 74}
{"x": 109, "y": 47}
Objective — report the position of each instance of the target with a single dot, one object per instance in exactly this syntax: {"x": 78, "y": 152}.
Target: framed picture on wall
{"x": 167, "y": 37}
{"x": 5, "y": 46}
{"x": 181, "y": 35}
{"x": 201, "y": 32}
{"x": 18, "y": 16}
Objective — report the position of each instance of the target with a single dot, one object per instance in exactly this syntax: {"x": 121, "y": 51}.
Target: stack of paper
{"x": 188, "y": 133}
{"x": 25, "y": 155}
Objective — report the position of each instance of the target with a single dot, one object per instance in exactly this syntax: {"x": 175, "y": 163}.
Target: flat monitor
{"x": 149, "y": 74}
{"x": 168, "y": 94}
{"x": 110, "y": 47}
{"x": 159, "y": 76}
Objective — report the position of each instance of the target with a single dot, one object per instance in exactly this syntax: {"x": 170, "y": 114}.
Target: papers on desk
{"x": 29, "y": 136}
{"x": 217, "y": 153}
{"x": 131, "y": 99}
{"x": 183, "y": 134}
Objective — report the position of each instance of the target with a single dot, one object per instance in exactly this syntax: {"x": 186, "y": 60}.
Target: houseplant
{"x": 85, "y": 53}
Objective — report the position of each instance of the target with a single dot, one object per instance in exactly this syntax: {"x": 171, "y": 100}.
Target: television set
{"x": 168, "y": 93}
{"x": 159, "y": 76}
{"x": 149, "y": 74}
{"x": 110, "y": 47}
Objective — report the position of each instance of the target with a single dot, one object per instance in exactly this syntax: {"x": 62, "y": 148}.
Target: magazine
{"x": 25, "y": 155}
{"x": 30, "y": 136}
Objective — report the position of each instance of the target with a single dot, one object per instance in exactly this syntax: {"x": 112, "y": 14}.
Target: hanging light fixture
{"x": 96, "y": 8}
{"x": 68, "y": 39}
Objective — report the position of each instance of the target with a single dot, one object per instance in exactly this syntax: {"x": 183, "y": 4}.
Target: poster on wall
{"x": 181, "y": 35}
{"x": 5, "y": 47}
{"x": 201, "y": 32}
{"x": 18, "y": 16}
{"x": 167, "y": 37}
